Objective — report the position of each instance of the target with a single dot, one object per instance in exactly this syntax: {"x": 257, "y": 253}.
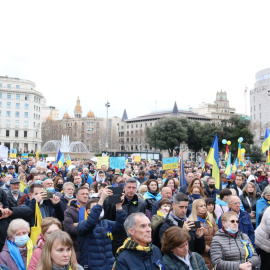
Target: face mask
{"x": 60, "y": 186}
{"x": 50, "y": 189}
{"x": 8, "y": 183}
{"x": 165, "y": 208}
{"x": 101, "y": 180}
{"x": 231, "y": 231}
{"x": 15, "y": 192}
{"x": 101, "y": 214}
{"x": 212, "y": 186}
{"x": 38, "y": 182}
{"x": 69, "y": 197}
{"x": 21, "y": 240}
{"x": 196, "y": 196}
{"x": 77, "y": 185}
{"x": 159, "y": 185}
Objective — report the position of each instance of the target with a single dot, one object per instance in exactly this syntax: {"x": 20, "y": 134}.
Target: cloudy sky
{"x": 139, "y": 55}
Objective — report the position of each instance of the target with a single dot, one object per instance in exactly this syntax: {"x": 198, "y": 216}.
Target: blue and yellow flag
{"x": 68, "y": 160}
{"x": 228, "y": 169}
{"x": 240, "y": 156}
{"x": 235, "y": 165}
{"x": 266, "y": 141}
{"x": 213, "y": 159}
{"x": 61, "y": 161}
{"x": 58, "y": 156}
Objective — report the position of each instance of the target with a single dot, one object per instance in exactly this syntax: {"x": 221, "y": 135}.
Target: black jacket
{"x": 183, "y": 189}
{"x": 211, "y": 193}
{"x": 195, "y": 244}
{"x": 252, "y": 200}
{"x": 11, "y": 200}
{"x": 3, "y": 198}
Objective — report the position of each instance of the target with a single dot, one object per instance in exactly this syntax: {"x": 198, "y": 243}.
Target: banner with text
{"x": 118, "y": 162}
{"x": 170, "y": 163}
{"x": 102, "y": 161}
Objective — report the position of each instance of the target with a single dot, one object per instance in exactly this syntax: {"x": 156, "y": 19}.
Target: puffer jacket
{"x": 173, "y": 263}
{"x": 227, "y": 253}
{"x": 94, "y": 241}
{"x": 262, "y": 233}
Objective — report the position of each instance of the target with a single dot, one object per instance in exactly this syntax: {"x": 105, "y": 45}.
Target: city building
{"x": 259, "y": 105}
{"x": 89, "y": 129}
{"x": 218, "y": 111}
{"x": 51, "y": 112}
{"x": 132, "y": 135}
{"x": 20, "y": 111}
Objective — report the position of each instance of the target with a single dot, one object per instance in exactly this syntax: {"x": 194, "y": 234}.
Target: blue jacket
{"x": 95, "y": 244}
{"x": 245, "y": 225}
{"x": 89, "y": 179}
{"x": 140, "y": 260}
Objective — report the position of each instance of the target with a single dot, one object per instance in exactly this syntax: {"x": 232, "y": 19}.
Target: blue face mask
{"x": 69, "y": 197}
{"x": 15, "y": 192}
{"x": 50, "y": 189}
{"x": 196, "y": 196}
{"x": 231, "y": 231}
{"x": 21, "y": 240}
{"x": 38, "y": 182}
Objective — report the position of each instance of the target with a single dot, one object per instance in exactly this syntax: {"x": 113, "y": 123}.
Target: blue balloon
{"x": 224, "y": 141}
{"x": 241, "y": 139}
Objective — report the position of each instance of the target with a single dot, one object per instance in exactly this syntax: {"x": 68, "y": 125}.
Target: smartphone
{"x": 49, "y": 195}
{"x": 117, "y": 194}
{"x": 197, "y": 224}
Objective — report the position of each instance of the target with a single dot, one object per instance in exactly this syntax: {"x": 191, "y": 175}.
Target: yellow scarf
{"x": 30, "y": 249}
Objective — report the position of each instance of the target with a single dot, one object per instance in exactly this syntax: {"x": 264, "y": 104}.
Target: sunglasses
{"x": 234, "y": 221}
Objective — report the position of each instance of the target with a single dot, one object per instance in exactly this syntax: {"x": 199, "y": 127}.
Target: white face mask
{"x": 166, "y": 208}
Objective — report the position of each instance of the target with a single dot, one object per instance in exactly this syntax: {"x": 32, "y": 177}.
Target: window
{"x": 8, "y": 95}
{"x": 250, "y": 108}
{"x": 7, "y": 133}
{"x": 260, "y": 115}
{"x": 18, "y": 96}
{"x": 254, "y": 98}
{"x": 8, "y": 114}
{"x": 254, "y": 117}
{"x": 16, "y": 133}
{"x": 26, "y": 97}
{"x": 254, "y": 108}
{"x": 260, "y": 106}
{"x": 17, "y": 86}
{"x": 26, "y": 115}
{"x": 17, "y": 114}
{"x": 8, "y": 104}
{"x": 17, "y": 105}
{"x": 7, "y": 122}
{"x": 16, "y": 123}
{"x": 26, "y": 106}
{"x": 25, "y": 134}
{"x": 9, "y": 86}
{"x": 25, "y": 123}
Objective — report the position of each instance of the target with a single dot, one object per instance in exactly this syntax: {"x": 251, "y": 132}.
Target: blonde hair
{"x": 17, "y": 224}
{"x": 47, "y": 222}
{"x": 45, "y": 262}
{"x": 253, "y": 185}
{"x": 227, "y": 215}
{"x": 194, "y": 212}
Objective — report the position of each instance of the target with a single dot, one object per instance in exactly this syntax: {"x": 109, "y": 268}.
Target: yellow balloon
{"x": 243, "y": 150}
{"x": 229, "y": 142}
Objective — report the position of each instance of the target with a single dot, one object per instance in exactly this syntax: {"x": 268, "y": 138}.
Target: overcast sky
{"x": 140, "y": 55}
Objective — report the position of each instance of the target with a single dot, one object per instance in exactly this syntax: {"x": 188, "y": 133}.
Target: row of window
{"x": 263, "y": 77}
{"x": 16, "y": 133}
{"x": 9, "y": 85}
{"x": 260, "y": 107}
{"x": 18, "y": 105}
{"x": 17, "y": 114}
{"x": 254, "y": 117}
{"x": 18, "y": 96}
{"x": 25, "y": 124}
{"x": 137, "y": 125}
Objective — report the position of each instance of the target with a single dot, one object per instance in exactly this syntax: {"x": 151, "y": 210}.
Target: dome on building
{"x": 66, "y": 116}
{"x": 78, "y": 109}
{"x": 90, "y": 114}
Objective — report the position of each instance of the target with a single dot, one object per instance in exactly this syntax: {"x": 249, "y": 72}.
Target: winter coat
{"x": 156, "y": 220}
{"x": 11, "y": 200}
{"x": 183, "y": 189}
{"x": 195, "y": 244}
{"x": 35, "y": 259}
{"x": 3, "y": 198}
{"x": 7, "y": 260}
{"x": 155, "y": 208}
{"x": 140, "y": 260}
{"x": 262, "y": 233}
{"x": 150, "y": 199}
{"x": 71, "y": 216}
{"x": 173, "y": 263}
{"x": 245, "y": 225}
{"x": 252, "y": 200}
{"x": 211, "y": 193}
{"x": 94, "y": 241}
{"x": 221, "y": 208}
{"x": 227, "y": 253}
{"x": 263, "y": 184}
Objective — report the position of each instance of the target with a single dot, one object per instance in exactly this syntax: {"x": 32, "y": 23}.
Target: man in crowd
{"x": 166, "y": 193}
{"x": 68, "y": 194}
{"x": 86, "y": 177}
{"x": 14, "y": 194}
{"x": 74, "y": 172}
{"x": 211, "y": 191}
{"x": 189, "y": 178}
{"x": 141, "y": 177}
{"x": 11, "y": 171}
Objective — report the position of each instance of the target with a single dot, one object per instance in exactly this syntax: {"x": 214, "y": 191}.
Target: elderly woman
{"x": 18, "y": 249}
{"x": 176, "y": 251}
{"x": 262, "y": 204}
{"x": 232, "y": 249}
{"x": 199, "y": 212}
{"x": 58, "y": 253}
{"x": 48, "y": 225}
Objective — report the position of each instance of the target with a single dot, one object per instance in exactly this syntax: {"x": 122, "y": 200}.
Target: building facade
{"x": 259, "y": 105}
{"x": 20, "y": 111}
{"x": 51, "y": 112}
{"x": 218, "y": 111}
{"x": 89, "y": 129}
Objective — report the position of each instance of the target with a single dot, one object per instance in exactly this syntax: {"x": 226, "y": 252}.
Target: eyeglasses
{"x": 234, "y": 221}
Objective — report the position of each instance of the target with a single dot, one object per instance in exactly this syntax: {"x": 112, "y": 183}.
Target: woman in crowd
{"x": 195, "y": 193}
{"x": 58, "y": 183}
{"x": 210, "y": 206}
{"x": 152, "y": 195}
{"x": 262, "y": 236}
{"x": 232, "y": 249}
{"x": 18, "y": 248}
{"x": 176, "y": 251}
{"x": 249, "y": 200}
{"x": 222, "y": 202}
{"x": 163, "y": 209}
{"x": 58, "y": 253}
{"x": 170, "y": 183}
{"x": 63, "y": 172}
{"x": 262, "y": 204}
{"x": 199, "y": 212}
{"x": 195, "y": 183}
{"x": 48, "y": 225}
{"x": 117, "y": 180}
{"x": 142, "y": 190}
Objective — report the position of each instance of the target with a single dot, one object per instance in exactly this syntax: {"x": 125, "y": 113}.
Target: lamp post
{"x": 107, "y": 105}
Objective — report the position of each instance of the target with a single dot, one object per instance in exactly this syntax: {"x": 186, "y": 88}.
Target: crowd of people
{"x": 73, "y": 218}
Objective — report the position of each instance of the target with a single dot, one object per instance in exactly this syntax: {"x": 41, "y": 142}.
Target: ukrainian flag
{"x": 239, "y": 155}
{"x": 58, "y": 156}
{"x": 213, "y": 159}
{"x": 68, "y": 160}
{"x": 235, "y": 165}
{"x": 228, "y": 170}
{"x": 61, "y": 161}
{"x": 266, "y": 141}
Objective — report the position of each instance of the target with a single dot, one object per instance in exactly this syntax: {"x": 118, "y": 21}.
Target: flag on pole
{"x": 126, "y": 161}
{"x": 213, "y": 159}
{"x": 182, "y": 171}
{"x": 61, "y": 161}
{"x": 68, "y": 160}
{"x": 37, "y": 156}
{"x": 268, "y": 157}
{"x": 228, "y": 169}
{"x": 239, "y": 155}
{"x": 235, "y": 165}
{"x": 58, "y": 156}
{"x": 266, "y": 141}
{"x": 226, "y": 155}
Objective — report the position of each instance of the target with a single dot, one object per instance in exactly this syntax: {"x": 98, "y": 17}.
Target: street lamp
{"x": 107, "y": 105}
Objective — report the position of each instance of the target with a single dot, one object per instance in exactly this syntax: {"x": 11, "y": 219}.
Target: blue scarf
{"x": 204, "y": 221}
{"x": 248, "y": 248}
{"x": 149, "y": 195}
{"x": 16, "y": 255}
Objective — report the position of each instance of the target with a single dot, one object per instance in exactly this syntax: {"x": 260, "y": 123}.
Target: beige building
{"x": 218, "y": 111}
{"x": 89, "y": 129}
{"x": 51, "y": 112}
